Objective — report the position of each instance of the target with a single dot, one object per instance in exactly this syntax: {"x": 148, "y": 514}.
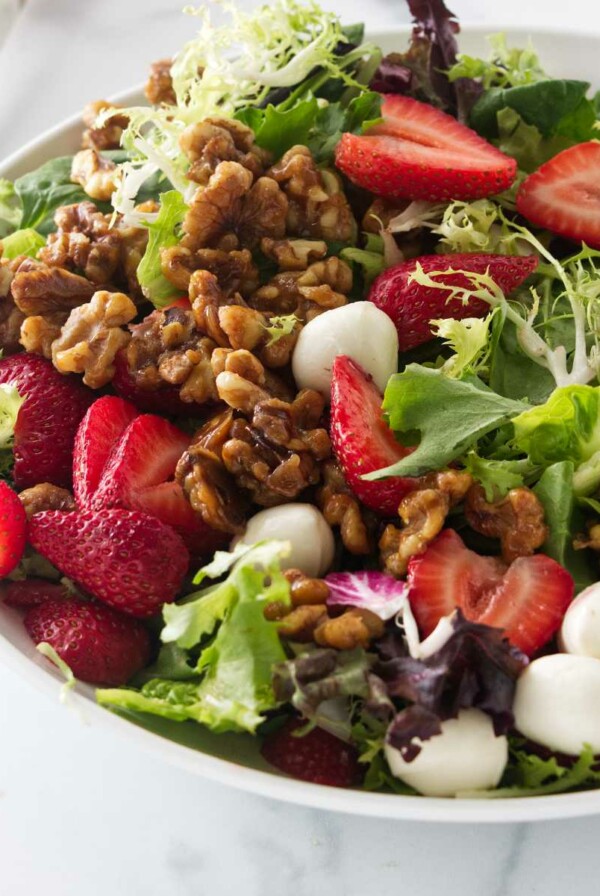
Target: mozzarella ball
{"x": 304, "y": 527}
{"x": 360, "y": 330}
{"x": 467, "y": 755}
{"x": 580, "y": 630}
{"x": 557, "y": 703}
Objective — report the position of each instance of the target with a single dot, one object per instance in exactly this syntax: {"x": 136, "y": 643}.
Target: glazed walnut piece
{"x": 211, "y": 490}
{"x": 293, "y": 255}
{"x": 235, "y": 271}
{"x": 83, "y": 241}
{"x": 96, "y": 175}
{"x": 46, "y": 496}
{"x": 423, "y": 512}
{"x": 39, "y": 331}
{"x": 107, "y": 135}
{"x": 318, "y": 208}
{"x": 354, "y": 628}
{"x": 159, "y": 86}
{"x": 214, "y": 140}
{"x": 517, "y": 520}
{"x": 11, "y": 320}
{"x": 233, "y": 211}
{"x": 323, "y": 285}
{"x": 341, "y": 508}
{"x": 92, "y": 336}
{"x": 39, "y": 289}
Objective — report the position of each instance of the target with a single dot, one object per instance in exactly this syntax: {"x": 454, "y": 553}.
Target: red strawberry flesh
{"x": 528, "y": 599}
{"x": 563, "y": 195}
{"x": 362, "y": 440}
{"x": 99, "y": 431}
{"x": 164, "y": 400}
{"x": 129, "y": 560}
{"x": 419, "y": 152}
{"x": 318, "y": 756}
{"x": 412, "y": 306}
{"x": 13, "y": 529}
{"x": 47, "y": 421}
{"x": 100, "y": 645}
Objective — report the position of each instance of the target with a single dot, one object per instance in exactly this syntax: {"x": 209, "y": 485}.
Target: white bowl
{"x": 234, "y": 759}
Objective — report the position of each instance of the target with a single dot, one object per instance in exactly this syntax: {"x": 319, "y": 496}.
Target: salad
{"x": 300, "y": 404}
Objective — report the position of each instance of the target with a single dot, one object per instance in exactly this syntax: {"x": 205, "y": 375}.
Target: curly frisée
{"x": 300, "y": 405}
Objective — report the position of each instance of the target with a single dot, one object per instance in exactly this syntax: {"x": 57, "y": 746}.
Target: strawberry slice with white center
{"x": 527, "y": 599}
{"x": 139, "y": 476}
{"x": 419, "y": 152}
{"x": 564, "y": 194}
{"x": 362, "y": 440}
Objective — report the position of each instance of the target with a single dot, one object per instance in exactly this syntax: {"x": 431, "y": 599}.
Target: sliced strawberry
{"x": 13, "y": 529}
{"x": 139, "y": 476}
{"x": 129, "y": 560}
{"x": 47, "y": 421}
{"x": 100, "y": 429}
{"x": 318, "y": 756}
{"x": 563, "y": 195}
{"x": 528, "y": 599}
{"x": 100, "y": 645}
{"x": 412, "y": 306}
{"x": 27, "y": 593}
{"x": 419, "y": 152}
{"x": 362, "y": 441}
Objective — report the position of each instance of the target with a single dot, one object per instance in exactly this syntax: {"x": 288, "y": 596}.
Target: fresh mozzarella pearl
{"x": 304, "y": 527}
{"x": 467, "y": 755}
{"x": 557, "y": 703}
{"x": 360, "y": 330}
{"x": 580, "y": 630}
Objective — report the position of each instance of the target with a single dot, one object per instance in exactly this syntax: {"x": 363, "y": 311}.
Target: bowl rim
{"x": 30, "y": 666}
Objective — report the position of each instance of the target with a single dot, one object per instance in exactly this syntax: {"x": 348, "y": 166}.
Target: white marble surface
{"x": 85, "y": 814}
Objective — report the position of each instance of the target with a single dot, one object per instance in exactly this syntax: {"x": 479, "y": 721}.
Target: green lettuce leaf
{"x": 10, "y": 208}
{"x": 278, "y": 129}
{"x": 449, "y": 415}
{"x": 525, "y": 143}
{"x": 22, "y": 242}
{"x": 371, "y": 259}
{"x": 44, "y": 190}
{"x": 10, "y": 404}
{"x": 497, "y": 477}
{"x": 163, "y": 233}
{"x": 225, "y": 681}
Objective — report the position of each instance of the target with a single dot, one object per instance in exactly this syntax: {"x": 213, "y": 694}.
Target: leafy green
{"x": 280, "y": 326}
{"x": 50, "y": 653}
{"x": 22, "y": 242}
{"x": 10, "y": 208}
{"x": 553, "y": 106}
{"x": 497, "y": 476}
{"x": 163, "y": 233}
{"x": 44, "y": 190}
{"x": 450, "y": 416}
{"x": 566, "y": 427}
{"x": 336, "y": 119}
{"x": 10, "y": 404}
{"x": 563, "y": 518}
{"x": 525, "y": 143}
{"x": 225, "y": 682}
{"x": 469, "y": 340}
{"x": 371, "y": 259}
{"x": 530, "y": 775}
{"x": 278, "y": 129}
{"x": 506, "y": 67}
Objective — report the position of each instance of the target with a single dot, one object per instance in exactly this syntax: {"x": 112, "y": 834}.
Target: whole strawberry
{"x": 47, "y": 421}
{"x": 318, "y": 756}
{"x": 126, "y": 559}
{"x": 13, "y": 529}
{"x": 99, "y": 644}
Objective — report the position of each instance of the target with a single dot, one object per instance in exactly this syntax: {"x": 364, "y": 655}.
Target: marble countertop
{"x": 84, "y": 812}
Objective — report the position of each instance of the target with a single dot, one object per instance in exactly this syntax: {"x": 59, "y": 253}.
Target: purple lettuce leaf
{"x": 414, "y": 722}
{"x": 420, "y": 72}
{"x": 378, "y": 592}
{"x": 476, "y": 667}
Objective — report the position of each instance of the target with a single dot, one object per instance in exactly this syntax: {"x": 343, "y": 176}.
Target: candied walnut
{"x": 341, "y": 508}
{"x": 82, "y": 217}
{"x": 98, "y": 260}
{"x": 423, "y": 512}
{"x": 133, "y": 242}
{"x": 213, "y": 434}
{"x": 322, "y": 286}
{"x": 107, "y": 136}
{"x": 276, "y": 454}
{"x": 231, "y": 211}
{"x": 317, "y": 205}
{"x": 590, "y": 540}
{"x": 45, "y": 496}
{"x": 211, "y": 491}
{"x": 235, "y": 271}
{"x": 293, "y": 255}
{"x": 214, "y": 140}
{"x": 92, "y": 336}
{"x": 301, "y": 623}
{"x": 159, "y": 86}
{"x": 11, "y": 320}
{"x": 517, "y": 520}
{"x": 39, "y": 332}
{"x": 39, "y": 289}
{"x": 207, "y": 300}
{"x": 354, "y": 628}
{"x": 306, "y": 590}
{"x": 191, "y": 370}
{"x": 96, "y": 175}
